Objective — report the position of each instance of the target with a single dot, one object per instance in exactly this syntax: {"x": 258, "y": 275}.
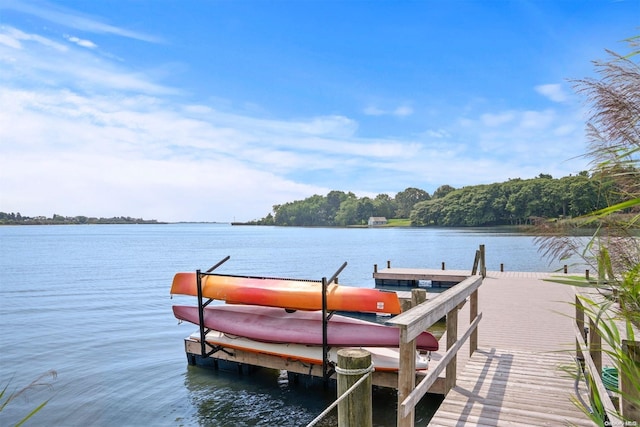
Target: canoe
{"x": 287, "y": 293}
{"x": 269, "y": 324}
{"x": 383, "y": 358}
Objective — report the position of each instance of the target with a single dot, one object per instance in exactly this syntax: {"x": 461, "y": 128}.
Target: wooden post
{"x": 476, "y": 262}
{"x": 580, "y": 324}
{"x": 586, "y": 274}
{"x": 501, "y": 267}
{"x": 629, "y": 390}
{"x": 483, "y": 263}
{"x": 418, "y": 296}
{"x": 388, "y": 263}
{"x": 452, "y": 337}
{"x": 443, "y": 265}
{"x": 595, "y": 346}
{"x": 565, "y": 269}
{"x": 356, "y": 409}
{"x": 406, "y": 376}
{"x": 473, "y": 313}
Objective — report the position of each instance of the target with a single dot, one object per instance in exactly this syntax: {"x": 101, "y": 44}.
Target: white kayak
{"x": 383, "y": 358}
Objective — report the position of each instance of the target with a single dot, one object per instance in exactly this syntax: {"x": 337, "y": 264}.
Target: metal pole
{"x": 335, "y": 275}
{"x": 203, "y": 344}
{"x": 222, "y": 261}
{"x": 325, "y": 346}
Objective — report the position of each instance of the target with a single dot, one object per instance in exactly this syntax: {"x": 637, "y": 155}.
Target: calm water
{"x": 92, "y": 303}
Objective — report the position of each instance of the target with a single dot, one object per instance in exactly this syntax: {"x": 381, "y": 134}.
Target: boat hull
{"x": 269, "y": 324}
{"x": 383, "y": 358}
{"x": 287, "y": 293}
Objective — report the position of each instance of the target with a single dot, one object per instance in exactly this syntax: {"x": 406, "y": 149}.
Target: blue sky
{"x": 217, "y": 110}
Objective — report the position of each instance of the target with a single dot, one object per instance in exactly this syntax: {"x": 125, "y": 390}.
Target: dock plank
{"x": 499, "y": 387}
{"x": 516, "y": 377}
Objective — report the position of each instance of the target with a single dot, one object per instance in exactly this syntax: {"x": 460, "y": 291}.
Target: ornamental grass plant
{"x": 612, "y": 302}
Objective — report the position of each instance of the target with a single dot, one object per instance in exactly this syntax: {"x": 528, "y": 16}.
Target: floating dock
{"x": 416, "y": 277}
{"x": 513, "y": 378}
{"x": 244, "y": 361}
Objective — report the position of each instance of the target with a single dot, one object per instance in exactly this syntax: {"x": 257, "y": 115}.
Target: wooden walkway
{"x": 515, "y": 376}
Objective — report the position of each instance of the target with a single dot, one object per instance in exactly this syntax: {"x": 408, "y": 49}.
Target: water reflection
{"x": 226, "y": 397}
{"x": 265, "y": 397}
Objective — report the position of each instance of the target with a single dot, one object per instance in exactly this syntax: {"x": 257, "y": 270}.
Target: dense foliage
{"x": 516, "y": 201}
{"x": 17, "y": 219}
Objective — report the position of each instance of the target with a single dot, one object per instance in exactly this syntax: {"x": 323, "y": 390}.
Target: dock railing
{"x": 416, "y": 320}
{"x": 589, "y": 349}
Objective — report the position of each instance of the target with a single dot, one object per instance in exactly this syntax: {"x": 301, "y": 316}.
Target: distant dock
{"x": 417, "y": 277}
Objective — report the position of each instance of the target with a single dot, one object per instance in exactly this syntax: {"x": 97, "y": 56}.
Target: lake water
{"x": 93, "y": 304}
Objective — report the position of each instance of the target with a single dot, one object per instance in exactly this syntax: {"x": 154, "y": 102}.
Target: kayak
{"x": 287, "y": 293}
{"x": 383, "y": 358}
{"x": 269, "y": 324}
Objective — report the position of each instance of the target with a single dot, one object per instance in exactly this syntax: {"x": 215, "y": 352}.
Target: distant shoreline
{"x": 17, "y": 219}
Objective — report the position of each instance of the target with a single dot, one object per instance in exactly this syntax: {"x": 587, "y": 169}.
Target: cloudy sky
{"x": 217, "y": 110}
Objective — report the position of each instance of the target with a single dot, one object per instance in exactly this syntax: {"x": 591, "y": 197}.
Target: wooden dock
{"x": 525, "y": 335}
{"x": 413, "y": 276}
{"x": 524, "y": 339}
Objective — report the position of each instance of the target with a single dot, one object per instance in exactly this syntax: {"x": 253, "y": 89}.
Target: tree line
{"x": 514, "y": 202}
{"x": 18, "y": 219}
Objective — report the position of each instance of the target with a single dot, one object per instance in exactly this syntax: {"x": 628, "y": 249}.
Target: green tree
{"x": 384, "y": 205}
{"x": 334, "y": 199}
{"x": 365, "y": 209}
{"x": 348, "y": 212}
{"x": 406, "y": 199}
{"x": 442, "y": 191}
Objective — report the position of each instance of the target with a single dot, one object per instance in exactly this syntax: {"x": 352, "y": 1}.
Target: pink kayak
{"x": 275, "y": 325}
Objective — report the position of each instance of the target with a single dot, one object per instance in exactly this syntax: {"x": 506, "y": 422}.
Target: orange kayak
{"x": 286, "y": 293}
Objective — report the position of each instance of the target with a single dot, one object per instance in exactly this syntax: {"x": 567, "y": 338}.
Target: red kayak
{"x": 286, "y": 293}
{"x": 275, "y": 325}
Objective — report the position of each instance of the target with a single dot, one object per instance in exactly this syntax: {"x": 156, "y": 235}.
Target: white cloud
{"x": 14, "y": 38}
{"x": 400, "y": 111}
{"x": 371, "y": 110}
{"x": 403, "y": 111}
{"x": 525, "y": 143}
{"x": 80, "y": 135}
{"x": 540, "y": 120}
{"x": 554, "y": 92}
{"x": 436, "y": 133}
{"x": 493, "y": 120}
{"x": 146, "y": 157}
{"x": 80, "y": 42}
{"x": 76, "y": 154}
{"x": 72, "y": 19}
{"x": 31, "y": 57}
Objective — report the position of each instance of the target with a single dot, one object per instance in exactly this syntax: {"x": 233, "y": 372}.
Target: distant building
{"x": 377, "y": 220}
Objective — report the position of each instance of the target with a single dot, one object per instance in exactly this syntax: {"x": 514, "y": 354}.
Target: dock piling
{"x": 357, "y": 409}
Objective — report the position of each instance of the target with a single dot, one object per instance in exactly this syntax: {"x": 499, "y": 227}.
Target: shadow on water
{"x": 265, "y": 397}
